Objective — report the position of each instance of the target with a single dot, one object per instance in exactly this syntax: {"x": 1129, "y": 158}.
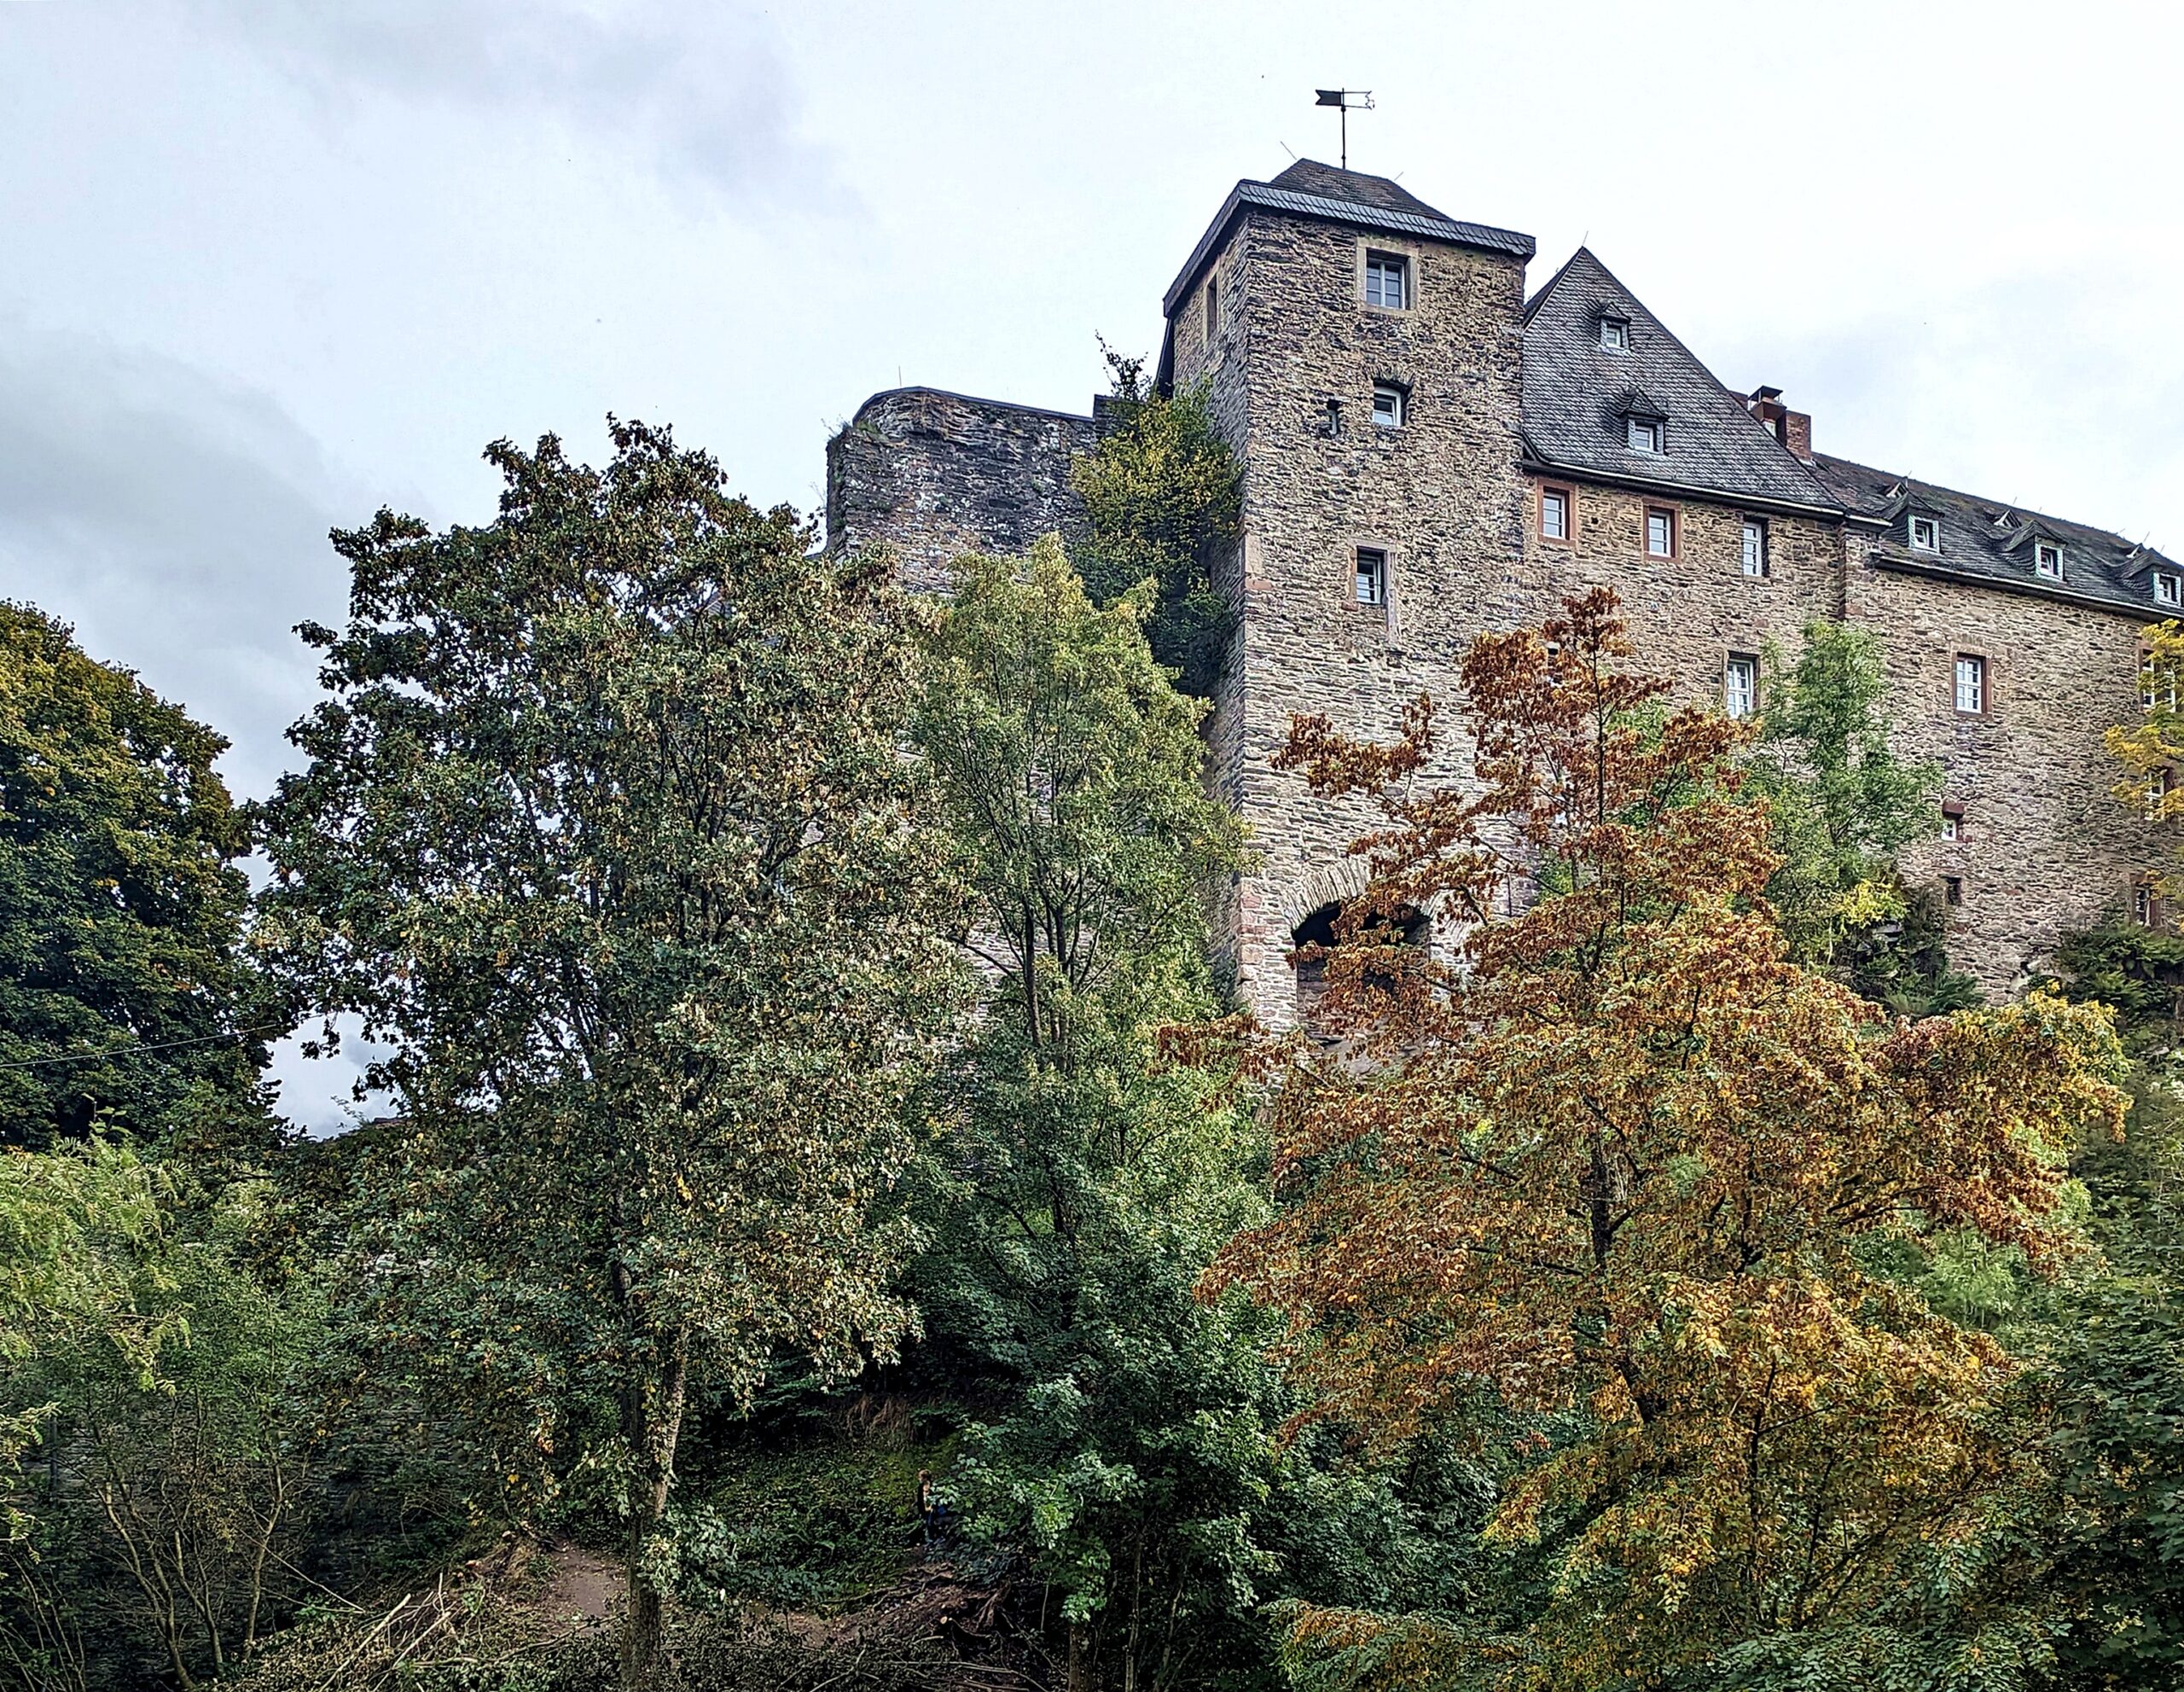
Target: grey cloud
{"x": 703, "y": 90}
{"x": 180, "y": 524}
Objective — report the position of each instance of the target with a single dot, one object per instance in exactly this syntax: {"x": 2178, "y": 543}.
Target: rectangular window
{"x": 1952, "y": 889}
{"x": 1926, "y": 534}
{"x": 2157, "y": 791}
{"x": 1741, "y": 686}
{"x": 1387, "y": 280}
{"x": 1372, "y": 576}
{"x": 2157, "y": 684}
{"x": 1645, "y": 434}
{"x": 1615, "y": 335}
{"x": 2142, "y": 903}
{"x": 2168, "y": 590}
{"x": 1755, "y": 547}
{"x": 1660, "y": 532}
{"x": 1952, "y": 827}
{"x": 1555, "y": 513}
{"x": 1388, "y": 407}
{"x": 1970, "y": 684}
{"x": 1212, "y": 308}
{"x": 2047, "y": 560}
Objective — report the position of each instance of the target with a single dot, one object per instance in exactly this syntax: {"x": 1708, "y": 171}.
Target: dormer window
{"x": 1387, "y": 280}
{"x": 1925, "y": 533}
{"x": 1615, "y": 334}
{"x": 1389, "y": 406}
{"x": 1646, "y": 434}
{"x": 2168, "y": 590}
{"x": 2047, "y": 560}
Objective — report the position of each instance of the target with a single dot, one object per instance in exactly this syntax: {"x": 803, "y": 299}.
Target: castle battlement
{"x": 1429, "y": 453}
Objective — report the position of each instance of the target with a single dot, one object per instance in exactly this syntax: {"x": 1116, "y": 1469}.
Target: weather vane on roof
{"x": 1346, "y": 100}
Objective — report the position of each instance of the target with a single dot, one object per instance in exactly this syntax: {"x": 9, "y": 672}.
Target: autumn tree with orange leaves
{"x": 1616, "y": 1178}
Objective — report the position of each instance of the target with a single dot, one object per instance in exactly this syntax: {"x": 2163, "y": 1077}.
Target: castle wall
{"x": 934, "y": 475}
{"x": 2047, "y": 846}
{"x": 1441, "y": 496}
{"x": 1688, "y": 613}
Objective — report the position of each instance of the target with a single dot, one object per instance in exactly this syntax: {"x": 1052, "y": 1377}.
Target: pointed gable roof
{"x": 1309, "y": 176}
{"x": 1576, "y": 391}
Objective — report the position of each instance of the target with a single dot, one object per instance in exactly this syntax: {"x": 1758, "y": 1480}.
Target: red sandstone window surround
{"x": 1660, "y": 532}
{"x": 1971, "y": 691}
{"x": 1557, "y": 514}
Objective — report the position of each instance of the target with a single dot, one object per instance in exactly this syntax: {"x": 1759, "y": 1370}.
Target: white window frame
{"x": 1655, "y": 433}
{"x": 1951, "y": 827}
{"x": 2168, "y": 590}
{"x": 1375, "y": 573}
{"x": 1386, "y": 263}
{"x": 1399, "y": 409}
{"x": 1667, "y": 515}
{"x": 2048, "y": 561}
{"x": 1970, "y": 682}
{"x": 1754, "y": 558}
{"x": 1740, "y": 687}
{"x": 2157, "y": 791}
{"x": 2155, "y": 690}
{"x": 1615, "y": 335}
{"x": 2142, "y": 903}
{"x": 1560, "y": 499}
{"x": 1933, "y": 526}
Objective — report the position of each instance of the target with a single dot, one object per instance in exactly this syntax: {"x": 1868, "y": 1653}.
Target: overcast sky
{"x": 266, "y": 264}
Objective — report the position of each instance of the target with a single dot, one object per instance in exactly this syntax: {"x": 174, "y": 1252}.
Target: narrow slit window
{"x": 1372, "y": 576}
{"x": 1741, "y": 686}
{"x": 1952, "y": 889}
{"x": 1387, "y": 280}
{"x": 2142, "y": 906}
{"x": 1555, "y": 513}
{"x": 1755, "y": 546}
{"x": 1660, "y": 532}
{"x": 1970, "y": 684}
{"x": 1212, "y": 308}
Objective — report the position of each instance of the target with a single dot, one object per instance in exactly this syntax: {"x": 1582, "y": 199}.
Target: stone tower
{"x": 1362, "y": 353}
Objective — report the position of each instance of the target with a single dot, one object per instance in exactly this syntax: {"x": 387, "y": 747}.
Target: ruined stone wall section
{"x": 1441, "y": 496}
{"x": 934, "y": 475}
{"x": 2046, "y": 847}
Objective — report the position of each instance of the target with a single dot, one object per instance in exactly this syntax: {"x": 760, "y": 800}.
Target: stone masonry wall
{"x": 1440, "y": 495}
{"x": 2046, "y": 847}
{"x": 934, "y": 475}
{"x": 1688, "y": 613}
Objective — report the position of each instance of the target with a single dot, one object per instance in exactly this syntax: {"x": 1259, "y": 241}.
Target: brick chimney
{"x": 1792, "y": 429}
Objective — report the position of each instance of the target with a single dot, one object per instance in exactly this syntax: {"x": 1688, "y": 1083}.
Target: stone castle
{"x": 1429, "y": 452}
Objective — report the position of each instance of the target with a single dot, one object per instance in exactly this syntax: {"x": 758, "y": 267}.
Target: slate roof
{"x": 1578, "y": 394}
{"x": 1309, "y": 188}
{"x": 1990, "y": 541}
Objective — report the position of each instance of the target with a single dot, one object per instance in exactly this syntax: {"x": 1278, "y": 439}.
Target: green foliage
{"x": 1163, "y": 498}
{"x": 1080, "y": 1185}
{"x": 177, "y": 1411}
{"x": 121, "y": 903}
{"x": 607, "y": 832}
{"x": 2137, "y": 971}
{"x": 1843, "y": 807}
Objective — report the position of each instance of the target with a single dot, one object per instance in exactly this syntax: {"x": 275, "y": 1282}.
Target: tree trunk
{"x": 653, "y": 1414}
{"x": 1080, "y": 1659}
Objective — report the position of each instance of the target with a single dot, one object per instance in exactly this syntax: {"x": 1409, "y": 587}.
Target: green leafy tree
{"x": 180, "y": 1417}
{"x": 1162, "y": 501}
{"x": 1842, "y": 806}
{"x": 1081, "y": 1185}
{"x": 124, "y": 995}
{"x": 606, "y": 831}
